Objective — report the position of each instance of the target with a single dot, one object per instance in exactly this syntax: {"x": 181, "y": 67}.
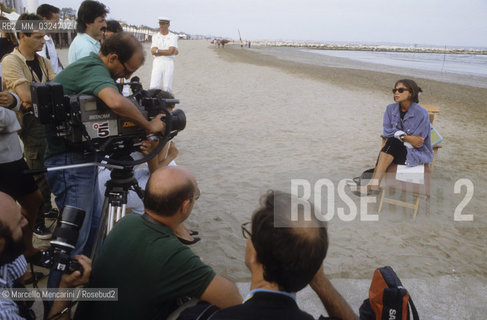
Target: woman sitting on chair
{"x": 407, "y": 130}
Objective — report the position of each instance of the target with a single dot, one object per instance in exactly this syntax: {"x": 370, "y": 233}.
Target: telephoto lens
{"x": 64, "y": 238}
{"x": 67, "y": 232}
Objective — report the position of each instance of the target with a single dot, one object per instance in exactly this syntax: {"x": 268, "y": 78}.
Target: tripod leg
{"x": 111, "y": 214}
{"x": 101, "y": 229}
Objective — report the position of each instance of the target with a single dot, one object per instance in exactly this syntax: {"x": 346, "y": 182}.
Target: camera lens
{"x": 66, "y": 233}
{"x": 178, "y": 120}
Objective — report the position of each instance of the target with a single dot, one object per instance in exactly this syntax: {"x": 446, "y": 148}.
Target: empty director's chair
{"x": 415, "y": 189}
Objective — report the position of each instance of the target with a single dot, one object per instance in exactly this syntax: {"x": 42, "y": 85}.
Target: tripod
{"x": 115, "y": 203}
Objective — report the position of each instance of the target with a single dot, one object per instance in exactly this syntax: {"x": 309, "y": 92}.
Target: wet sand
{"x": 257, "y": 118}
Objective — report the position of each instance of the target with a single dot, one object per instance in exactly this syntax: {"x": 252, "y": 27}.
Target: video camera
{"x": 85, "y": 121}
{"x": 64, "y": 238}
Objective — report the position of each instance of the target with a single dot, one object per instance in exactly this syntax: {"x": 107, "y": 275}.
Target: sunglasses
{"x": 400, "y": 90}
{"x": 197, "y": 194}
{"x": 246, "y": 232}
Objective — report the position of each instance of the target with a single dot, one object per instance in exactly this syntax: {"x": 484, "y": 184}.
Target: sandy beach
{"x": 260, "y": 117}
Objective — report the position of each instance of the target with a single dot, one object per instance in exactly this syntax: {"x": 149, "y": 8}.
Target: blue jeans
{"x": 78, "y": 188}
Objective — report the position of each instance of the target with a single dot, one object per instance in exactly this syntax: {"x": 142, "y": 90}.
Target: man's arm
{"x": 126, "y": 109}
{"x": 71, "y": 281}
{"x": 169, "y": 52}
{"x": 23, "y": 91}
{"x": 7, "y": 99}
{"x": 159, "y": 160}
{"x": 333, "y": 302}
{"x": 222, "y": 293}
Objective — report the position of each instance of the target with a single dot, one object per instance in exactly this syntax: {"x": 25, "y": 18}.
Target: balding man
{"x": 284, "y": 254}
{"x": 142, "y": 257}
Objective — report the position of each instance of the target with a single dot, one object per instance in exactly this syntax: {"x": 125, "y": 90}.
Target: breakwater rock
{"x": 360, "y": 47}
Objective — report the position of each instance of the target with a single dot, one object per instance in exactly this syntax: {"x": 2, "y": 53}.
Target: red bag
{"x": 388, "y": 299}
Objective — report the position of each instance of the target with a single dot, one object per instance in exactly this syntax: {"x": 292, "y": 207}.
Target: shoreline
{"x": 363, "y": 47}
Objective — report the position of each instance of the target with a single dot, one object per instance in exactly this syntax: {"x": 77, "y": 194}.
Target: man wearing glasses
{"x": 164, "y": 48}
{"x": 283, "y": 255}
{"x": 142, "y": 257}
{"x": 120, "y": 56}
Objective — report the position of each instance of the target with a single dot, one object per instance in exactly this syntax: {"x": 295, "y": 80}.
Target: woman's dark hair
{"x": 161, "y": 94}
{"x": 123, "y": 44}
{"x": 114, "y": 26}
{"x": 290, "y": 250}
{"x": 414, "y": 89}
{"x": 87, "y": 13}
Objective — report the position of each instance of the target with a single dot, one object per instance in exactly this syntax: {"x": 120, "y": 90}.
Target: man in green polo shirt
{"x": 145, "y": 260}
{"x": 119, "y": 57}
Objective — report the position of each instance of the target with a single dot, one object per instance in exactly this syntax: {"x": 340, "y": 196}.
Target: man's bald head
{"x": 167, "y": 189}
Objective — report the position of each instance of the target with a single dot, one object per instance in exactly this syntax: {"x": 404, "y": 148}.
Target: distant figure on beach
{"x": 50, "y": 13}
{"x": 407, "y": 129}
{"x": 142, "y": 257}
{"x": 90, "y": 26}
{"x": 164, "y": 48}
{"x": 284, "y": 254}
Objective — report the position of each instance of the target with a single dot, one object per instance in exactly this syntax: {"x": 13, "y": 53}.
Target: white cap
{"x": 164, "y": 19}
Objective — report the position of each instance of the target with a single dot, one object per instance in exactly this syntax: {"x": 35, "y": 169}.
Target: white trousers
{"x": 162, "y": 69}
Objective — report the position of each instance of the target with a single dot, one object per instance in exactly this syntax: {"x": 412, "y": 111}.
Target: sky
{"x": 434, "y": 22}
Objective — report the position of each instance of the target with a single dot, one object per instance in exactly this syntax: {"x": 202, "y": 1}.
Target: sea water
{"x": 466, "y": 64}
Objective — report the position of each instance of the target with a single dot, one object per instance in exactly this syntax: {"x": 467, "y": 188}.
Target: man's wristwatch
{"x": 401, "y": 137}
{"x": 157, "y": 51}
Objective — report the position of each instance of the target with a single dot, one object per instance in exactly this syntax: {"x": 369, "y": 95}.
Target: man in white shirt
{"x": 50, "y": 13}
{"x": 164, "y": 48}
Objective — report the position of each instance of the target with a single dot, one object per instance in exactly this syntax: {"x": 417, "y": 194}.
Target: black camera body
{"x": 58, "y": 259}
{"x": 58, "y": 255}
{"x": 84, "y": 120}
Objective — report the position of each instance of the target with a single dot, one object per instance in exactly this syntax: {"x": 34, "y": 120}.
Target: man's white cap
{"x": 164, "y": 19}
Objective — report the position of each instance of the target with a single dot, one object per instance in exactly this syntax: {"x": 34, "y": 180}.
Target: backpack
{"x": 388, "y": 300}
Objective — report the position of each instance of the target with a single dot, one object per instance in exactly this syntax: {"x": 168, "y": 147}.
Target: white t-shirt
{"x": 53, "y": 56}
{"x": 164, "y": 42}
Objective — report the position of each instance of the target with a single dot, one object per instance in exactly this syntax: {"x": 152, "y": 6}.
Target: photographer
{"x": 120, "y": 56}
{"x": 13, "y": 264}
{"x": 23, "y": 66}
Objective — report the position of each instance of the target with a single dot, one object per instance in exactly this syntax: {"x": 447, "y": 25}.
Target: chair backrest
{"x": 433, "y": 112}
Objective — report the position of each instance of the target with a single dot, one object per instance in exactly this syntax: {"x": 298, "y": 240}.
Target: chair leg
{"x": 381, "y": 201}
{"x": 416, "y": 206}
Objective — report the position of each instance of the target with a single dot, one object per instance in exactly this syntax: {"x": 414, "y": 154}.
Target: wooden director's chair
{"x": 417, "y": 190}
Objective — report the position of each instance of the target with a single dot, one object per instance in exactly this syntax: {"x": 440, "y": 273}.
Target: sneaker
{"x": 41, "y": 232}
{"x": 52, "y": 214}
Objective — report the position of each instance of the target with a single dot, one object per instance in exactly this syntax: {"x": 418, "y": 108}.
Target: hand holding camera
{"x": 77, "y": 278}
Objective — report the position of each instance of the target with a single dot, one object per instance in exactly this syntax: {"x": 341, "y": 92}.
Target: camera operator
{"x": 13, "y": 264}
{"x": 120, "y": 56}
